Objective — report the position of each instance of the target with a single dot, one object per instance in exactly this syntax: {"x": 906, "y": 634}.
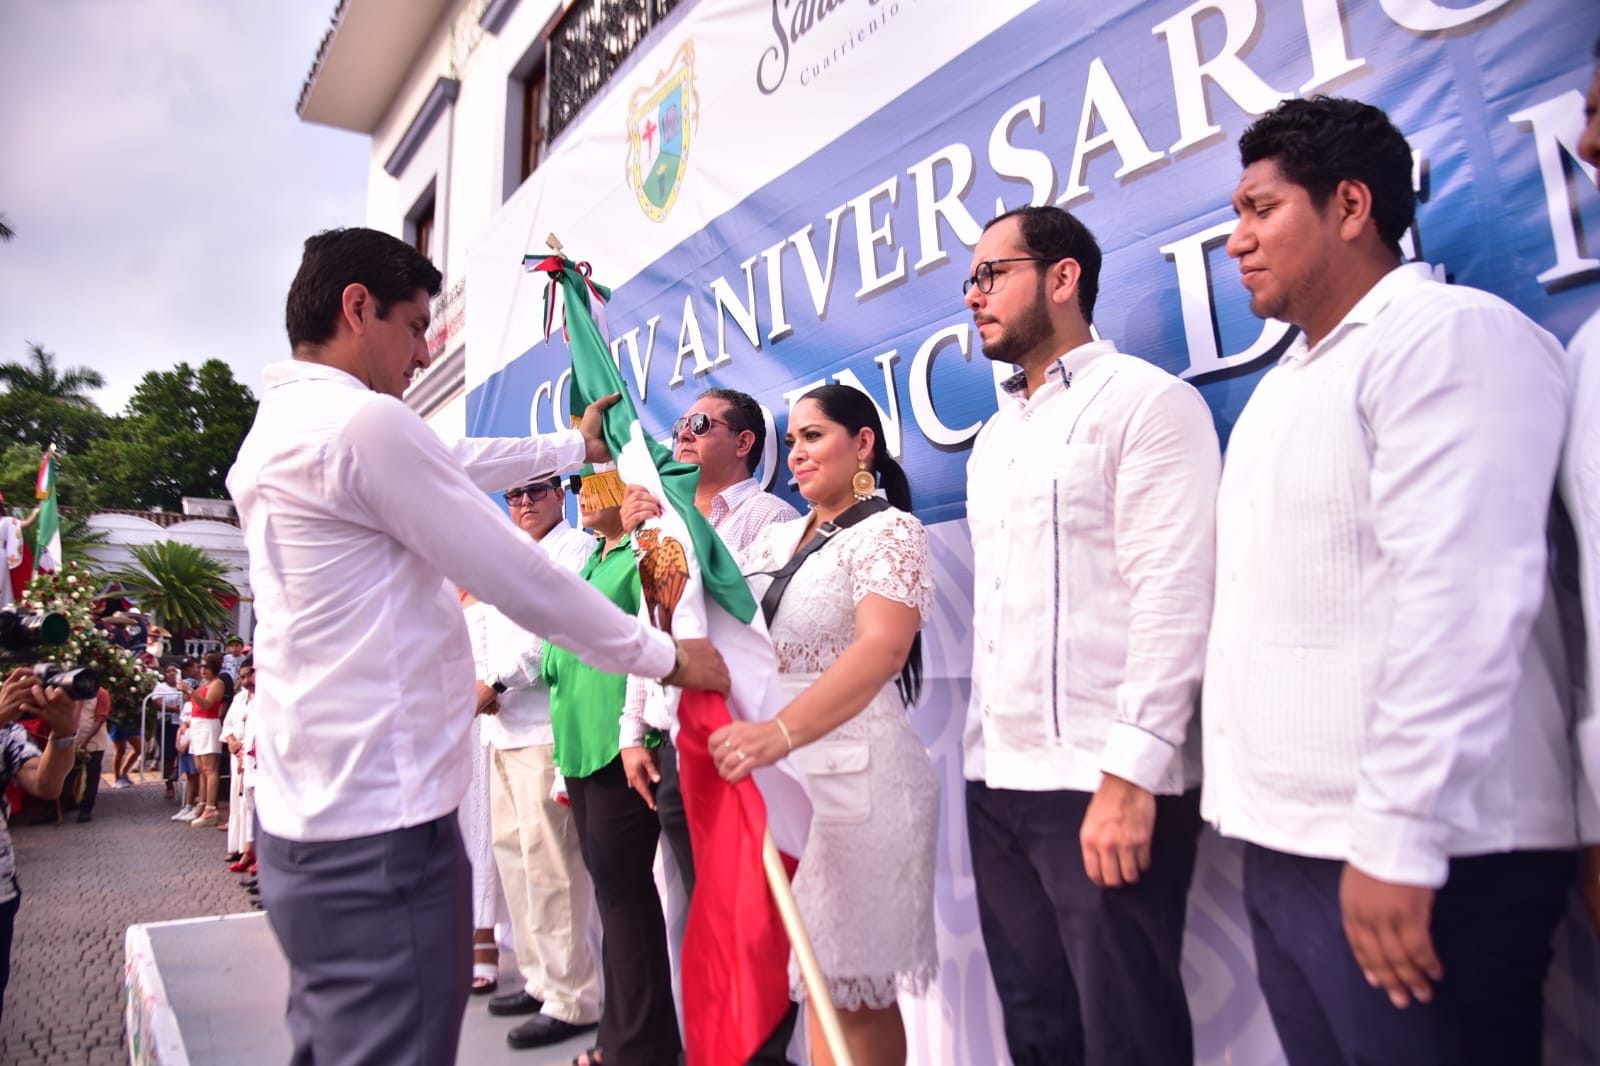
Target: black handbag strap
{"x": 825, "y": 532}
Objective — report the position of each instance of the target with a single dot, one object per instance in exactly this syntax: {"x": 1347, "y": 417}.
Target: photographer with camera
{"x": 40, "y": 774}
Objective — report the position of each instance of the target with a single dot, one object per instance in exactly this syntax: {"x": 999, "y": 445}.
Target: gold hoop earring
{"x": 863, "y": 484}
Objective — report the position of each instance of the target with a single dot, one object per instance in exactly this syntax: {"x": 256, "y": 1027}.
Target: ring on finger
{"x": 741, "y": 755}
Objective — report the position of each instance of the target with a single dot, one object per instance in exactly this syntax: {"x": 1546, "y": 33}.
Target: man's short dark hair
{"x": 1055, "y": 234}
{"x": 391, "y": 269}
{"x": 1318, "y": 143}
{"x": 743, "y": 414}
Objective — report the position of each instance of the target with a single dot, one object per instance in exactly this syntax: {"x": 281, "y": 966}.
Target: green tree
{"x": 43, "y": 403}
{"x": 178, "y": 584}
{"x": 179, "y": 436}
{"x": 19, "y": 475}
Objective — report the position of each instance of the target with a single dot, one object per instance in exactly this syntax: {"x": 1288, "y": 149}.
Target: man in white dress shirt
{"x": 535, "y": 842}
{"x": 1386, "y": 711}
{"x": 1090, "y": 497}
{"x": 1580, "y": 488}
{"x": 356, "y": 516}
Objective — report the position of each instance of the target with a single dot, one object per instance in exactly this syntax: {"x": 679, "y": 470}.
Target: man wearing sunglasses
{"x": 723, "y": 434}
{"x": 1090, "y": 497}
{"x": 547, "y": 888}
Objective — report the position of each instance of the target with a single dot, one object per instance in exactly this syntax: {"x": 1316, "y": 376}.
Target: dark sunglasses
{"x": 699, "y": 424}
{"x": 531, "y": 492}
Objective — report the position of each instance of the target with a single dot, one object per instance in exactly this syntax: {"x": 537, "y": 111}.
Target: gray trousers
{"x": 378, "y": 934}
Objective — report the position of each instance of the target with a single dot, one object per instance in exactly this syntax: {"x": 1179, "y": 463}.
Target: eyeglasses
{"x": 983, "y": 278}
{"x": 698, "y": 424}
{"x": 530, "y": 492}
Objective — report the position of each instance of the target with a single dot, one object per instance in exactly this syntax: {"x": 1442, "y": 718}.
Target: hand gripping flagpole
{"x": 817, "y": 995}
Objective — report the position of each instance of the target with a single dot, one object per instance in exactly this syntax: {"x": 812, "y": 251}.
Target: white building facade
{"x": 784, "y": 193}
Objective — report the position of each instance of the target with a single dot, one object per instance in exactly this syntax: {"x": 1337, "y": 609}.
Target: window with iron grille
{"x": 587, "y": 47}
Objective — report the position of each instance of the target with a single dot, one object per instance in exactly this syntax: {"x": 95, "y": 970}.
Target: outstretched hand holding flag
{"x": 735, "y": 951}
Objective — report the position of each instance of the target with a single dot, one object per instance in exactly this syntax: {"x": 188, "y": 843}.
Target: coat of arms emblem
{"x": 661, "y": 122}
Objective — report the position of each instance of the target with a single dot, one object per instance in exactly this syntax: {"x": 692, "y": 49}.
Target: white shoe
{"x": 122, "y": 782}
{"x": 185, "y": 815}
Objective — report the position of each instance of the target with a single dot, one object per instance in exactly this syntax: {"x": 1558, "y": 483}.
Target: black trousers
{"x": 1086, "y": 975}
{"x": 169, "y": 750}
{"x": 1492, "y": 925}
{"x": 378, "y": 934}
{"x": 92, "y": 763}
{"x": 617, "y": 834}
{"x": 674, "y": 823}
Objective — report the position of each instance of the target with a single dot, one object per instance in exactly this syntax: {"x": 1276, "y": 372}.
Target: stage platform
{"x": 211, "y": 991}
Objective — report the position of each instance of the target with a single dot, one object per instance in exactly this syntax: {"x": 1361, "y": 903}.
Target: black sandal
{"x": 588, "y": 1057}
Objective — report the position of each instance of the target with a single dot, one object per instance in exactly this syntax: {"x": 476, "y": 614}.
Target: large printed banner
{"x": 786, "y": 192}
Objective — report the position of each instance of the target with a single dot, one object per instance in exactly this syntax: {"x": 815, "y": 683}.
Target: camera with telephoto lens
{"x": 80, "y": 683}
{"x": 22, "y": 631}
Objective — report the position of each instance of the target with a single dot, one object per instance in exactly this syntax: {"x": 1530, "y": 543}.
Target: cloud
{"x": 160, "y": 182}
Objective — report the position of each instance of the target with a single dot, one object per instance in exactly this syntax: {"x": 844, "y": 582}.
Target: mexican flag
{"x": 48, "y": 534}
{"x": 735, "y": 950}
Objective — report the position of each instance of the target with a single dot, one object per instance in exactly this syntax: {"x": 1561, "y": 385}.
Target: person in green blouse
{"x": 617, "y": 829}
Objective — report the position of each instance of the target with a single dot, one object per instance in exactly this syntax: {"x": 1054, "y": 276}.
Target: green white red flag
{"x": 49, "y": 528}
{"x": 735, "y": 951}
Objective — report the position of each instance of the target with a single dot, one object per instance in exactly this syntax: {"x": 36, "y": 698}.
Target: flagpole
{"x": 816, "y": 985}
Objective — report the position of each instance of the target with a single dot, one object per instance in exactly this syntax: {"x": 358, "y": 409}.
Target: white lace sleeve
{"x": 893, "y": 562}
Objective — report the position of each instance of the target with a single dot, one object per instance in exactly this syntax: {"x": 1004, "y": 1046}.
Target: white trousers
{"x": 546, "y": 884}
{"x": 241, "y": 810}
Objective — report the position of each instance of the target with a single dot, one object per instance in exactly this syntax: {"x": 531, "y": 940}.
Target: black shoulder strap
{"x": 825, "y": 532}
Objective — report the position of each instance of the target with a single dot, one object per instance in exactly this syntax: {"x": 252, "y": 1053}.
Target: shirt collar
{"x": 737, "y": 493}
{"x": 1059, "y": 373}
{"x": 289, "y": 371}
{"x": 1393, "y": 285}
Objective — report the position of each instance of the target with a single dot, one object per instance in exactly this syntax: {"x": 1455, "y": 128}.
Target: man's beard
{"x": 1029, "y": 331}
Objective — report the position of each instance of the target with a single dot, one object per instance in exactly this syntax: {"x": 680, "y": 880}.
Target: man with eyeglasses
{"x": 547, "y": 888}
{"x": 723, "y": 434}
{"x": 1090, "y": 497}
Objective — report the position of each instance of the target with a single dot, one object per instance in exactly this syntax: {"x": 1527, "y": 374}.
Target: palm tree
{"x": 179, "y": 584}
{"x": 43, "y": 403}
{"x": 38, "y": 375}
{"x": 6, "y": 232}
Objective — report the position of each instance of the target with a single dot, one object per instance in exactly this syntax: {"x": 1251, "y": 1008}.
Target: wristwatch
{"x": 63, "y": 742}
{"x": 498, "y": 685}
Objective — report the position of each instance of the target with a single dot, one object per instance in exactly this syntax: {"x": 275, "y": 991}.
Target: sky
{"x": 160, "y": 182}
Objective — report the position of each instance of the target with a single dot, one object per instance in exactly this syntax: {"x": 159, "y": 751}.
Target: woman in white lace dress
{"x": 846, "y": 634}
